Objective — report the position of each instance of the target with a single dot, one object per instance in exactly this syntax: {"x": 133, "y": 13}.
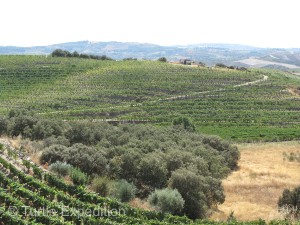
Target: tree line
{"x": 75, "y": 54}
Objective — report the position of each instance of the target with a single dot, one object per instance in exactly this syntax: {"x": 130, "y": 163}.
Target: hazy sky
{"x": 263, "y": 23}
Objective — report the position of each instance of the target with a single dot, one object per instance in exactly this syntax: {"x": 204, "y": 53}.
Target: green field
{"x": 154, "y": 92}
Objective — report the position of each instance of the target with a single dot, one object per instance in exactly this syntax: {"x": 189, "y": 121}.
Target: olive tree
{"x": 167, "y": 201}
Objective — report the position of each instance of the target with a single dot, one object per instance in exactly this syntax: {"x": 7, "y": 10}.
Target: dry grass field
{"x": 252, "y": 191}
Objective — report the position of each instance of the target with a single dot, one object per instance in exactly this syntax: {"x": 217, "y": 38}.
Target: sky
{"x": 261, "y": 23}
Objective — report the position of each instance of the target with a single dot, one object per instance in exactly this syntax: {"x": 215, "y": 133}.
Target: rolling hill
{"x": 207, "y": 53}
{"x": 238, "y": 105}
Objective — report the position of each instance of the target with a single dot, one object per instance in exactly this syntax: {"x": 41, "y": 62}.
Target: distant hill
{"x": 260, "y": 63}
{"x": 210, "y": 54}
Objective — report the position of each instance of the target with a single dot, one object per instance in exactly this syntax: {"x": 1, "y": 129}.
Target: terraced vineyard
{"x": 237, "y": 105}
{"x": 42, "y": 198}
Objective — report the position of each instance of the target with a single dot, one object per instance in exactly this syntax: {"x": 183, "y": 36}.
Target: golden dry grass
{"x": 141, "y": 204}
{"x": 252, "y": 191}
{"x": 15, "y": 142}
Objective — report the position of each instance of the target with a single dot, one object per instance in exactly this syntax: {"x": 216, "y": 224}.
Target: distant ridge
{"x": 209, "y": 53}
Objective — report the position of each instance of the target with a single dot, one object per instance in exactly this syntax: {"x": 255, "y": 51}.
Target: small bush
{"x": 231, "y": 217}
{"x": 101, "y": 185}
{"x": 290, "y": 199}
{"x": 292, "y": 157}
{"x": 78, "y": 177}
{"x": 123, "y": 191}
{"x": 62, "y": 169}
{"x": 37, "y": 172}
{"x": 27, "y": 164}
{"x": 167, "y": 201}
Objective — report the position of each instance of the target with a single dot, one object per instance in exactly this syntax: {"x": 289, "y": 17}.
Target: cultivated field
{"x": 234, "y": 104}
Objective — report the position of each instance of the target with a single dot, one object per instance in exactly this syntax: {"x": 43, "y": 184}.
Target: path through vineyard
{"x": 173, "y": 98}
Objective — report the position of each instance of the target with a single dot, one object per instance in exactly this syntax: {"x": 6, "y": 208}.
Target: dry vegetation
{"x": 252, "y": 192}
{"x": 142, "y": 204}
{"x": 294, "y": 91}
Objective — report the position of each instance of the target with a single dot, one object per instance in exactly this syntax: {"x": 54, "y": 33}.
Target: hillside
{"x": 210, "y": 54}
{"x": 30, "y": 195}
{"x": 237, "y": 105}
{"x": 63, "y": 113}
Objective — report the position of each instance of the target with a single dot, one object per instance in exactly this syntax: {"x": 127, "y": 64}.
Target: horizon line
{"x": 203, "y": 44}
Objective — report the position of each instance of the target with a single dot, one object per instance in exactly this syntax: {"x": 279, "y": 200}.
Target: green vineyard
{"x": 240, "y": 105}
{"x": 42, "y": 198}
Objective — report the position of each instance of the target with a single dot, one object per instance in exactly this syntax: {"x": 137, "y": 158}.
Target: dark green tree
{"x": 184, "y": 122}
{"x": 101, "y": 185}
{"x": 87, "y": 159}
{"x": 162, "y": 59}
{"x": 60, "y": 53}
{"x": 152, "y": 171}
{"x": 75, "y": 54}
{"x": 229, "y": 152}
{"x": 198, "y": 192}
{"x": 128, "y": 164}
{"x": 84, "y": 56}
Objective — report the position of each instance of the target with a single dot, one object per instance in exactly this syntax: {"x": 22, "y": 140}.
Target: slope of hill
{"x": 290, "y": 56}
{"x": 207, "y": 53}
{"x": 260, "y": 63}
{"x": 238, "y": 105}
{"x": 45, "y": 199}
{"x": 30, "y": 195}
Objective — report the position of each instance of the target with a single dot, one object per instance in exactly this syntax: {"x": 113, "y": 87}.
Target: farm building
{"x": 186, "y": 61}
